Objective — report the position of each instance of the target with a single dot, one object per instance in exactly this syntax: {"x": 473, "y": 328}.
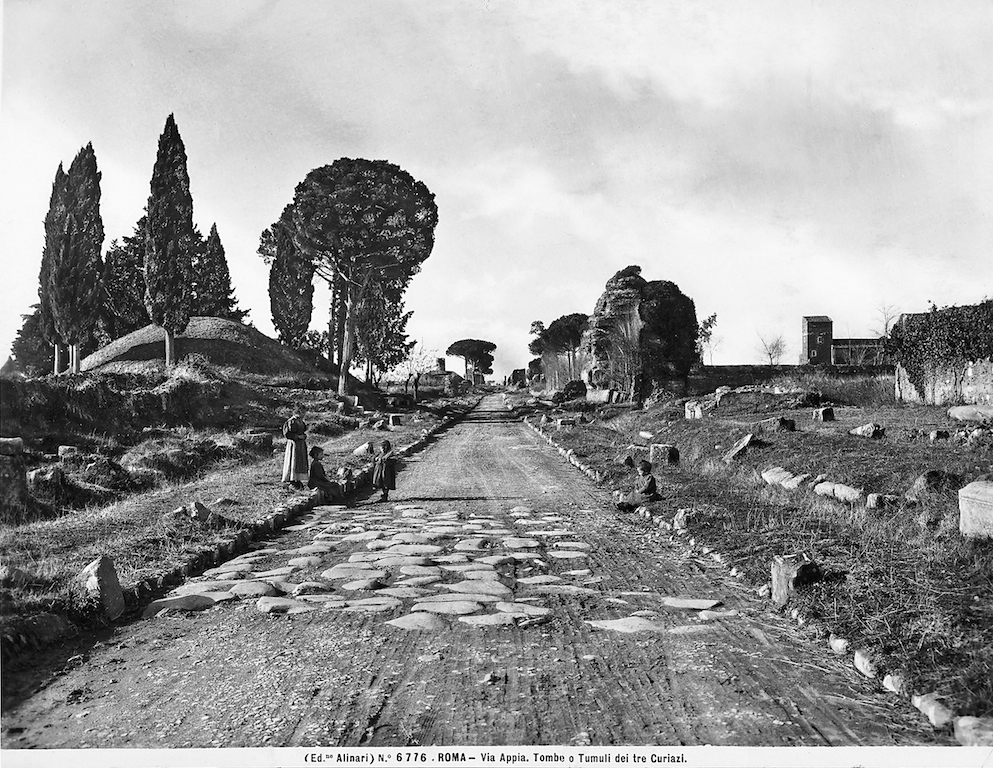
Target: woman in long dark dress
{"x": 295, "y": 469}
{"x": 384, "y": 471}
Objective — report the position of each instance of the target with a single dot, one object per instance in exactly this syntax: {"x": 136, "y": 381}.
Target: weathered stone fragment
{"x": 824, "y": 414}
{"x": 738, "y": 448}
{"x": 776, "y": 475}
{"x": 972, "y": 413}
{"x": 881, "y": 501}
{"x": 974, "y": 731}
{"x": 178, "y": 603}
{"x": 934, "y": 481}
{"x": 976, "y": 510}
{"x": 932, "y": 708}
{"x": 660, "y": 454}
{"x": 789, "y": 575}
{"x": 874, "y": 431}
{"x": 100, "y": 581}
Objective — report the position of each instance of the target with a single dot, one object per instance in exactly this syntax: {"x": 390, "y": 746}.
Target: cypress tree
{"x": 212, "y": 282}
{"x": 291, "y": 281}
{"x": 124, "y": 284}
{"x": 54, "y": 226}
{"x": 169, "y": 240}
{"x": 74, "y": 277}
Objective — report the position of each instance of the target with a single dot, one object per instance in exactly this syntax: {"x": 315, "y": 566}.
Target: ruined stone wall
{"x": 970, "y": 383}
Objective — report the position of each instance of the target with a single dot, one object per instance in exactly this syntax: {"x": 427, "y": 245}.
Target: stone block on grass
{"x": 873, "y": 431}
{"x": 976, "y": 510}
{"x": 99, "y": 580}
{"x": 777, "y": 475}
{"x": 739, "y": 448}
{"x": 788, "y": 575}
{"x": 974, "y": 731}
{"x": 824, "y": 414}
{"x": 933, "y": 481}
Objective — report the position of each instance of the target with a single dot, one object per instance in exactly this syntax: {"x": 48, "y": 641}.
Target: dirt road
{"x": 489, "y": 524}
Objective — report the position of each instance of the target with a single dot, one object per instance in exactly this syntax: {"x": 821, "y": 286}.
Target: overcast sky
{"x": 773, "y": 159}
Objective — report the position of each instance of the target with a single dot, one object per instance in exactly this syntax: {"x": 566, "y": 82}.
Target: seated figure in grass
{"x": 645, "y": 490}
{"x": 330, "y": 491}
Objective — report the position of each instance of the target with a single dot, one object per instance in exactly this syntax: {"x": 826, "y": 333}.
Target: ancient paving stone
{"x": 472, "y": 545}
{"x": 523, "y": 608}
{"x": 378, "y": 544}
{"x": 413, "y": 538}
{"x": 414, "y": 549}
{"x": 373, "y": 604}
{"x": 552, "y": 534}
{"x": 286, "y": 570}
{"x": 401, "y": 560}
{"x": 521, "y": 511}
{"x": 709, "y": 615}
{"x": 457, "y": 607}
{"x": 518, "y": 543}
{"x": 339, "y": 574}
{"x": 479, "y": 587}
{"x": 404, "y": 592}
{"x": 190, "y": 602}
{"x": 421, "y": 621}
{"x": 496, "y": 532}
{"x": 239, "y": 572}
{"x": 284, "y": 586}
{"x": 199, "y": 587}
{"x": 421, "y": 570}
{"x": 566, "y": 554}
{"x": 462, "y": 567}
{"x": 254, "y": 589}
{"x": 476, "y": 575}
{"x": 628, "y": 625}
{"x": 472, "y": 526}
{"x": 688, "y": 629}
{"x": 362, "y": 585}
{"x": 310, "y": 588}
{"x": 305, "y": 562}
{"x": 417, "y": 581}
{"x": 282, "y": 605}
{"x": 454, "y": 558}
{"x": 364, "y": 536}
{"x": 456, "y": 596}
{"x": 219, "y": 597}
{"x": 490, "y": 619}
{"x": 578, "y": 573}
{"x": 539, "y": 579}
{"x": 312, "y": 549}
{"x": 331, "y": 601}
{"x": 365, "y": 557}
{"x": 527, "y": 521}
{"x": 494, "y": 559}
{"x": 573, "y": 544}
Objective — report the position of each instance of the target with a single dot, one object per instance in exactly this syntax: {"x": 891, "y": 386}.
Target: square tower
{"x": 817, "y": 336}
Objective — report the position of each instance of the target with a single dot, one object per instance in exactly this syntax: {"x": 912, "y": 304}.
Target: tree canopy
{"x": 124, "y": 284}
{"x": 291, "y": 281}
{"x": 362, "y": 222}
{"x": 213, "y": 294}
{"x": 477, "y": 353}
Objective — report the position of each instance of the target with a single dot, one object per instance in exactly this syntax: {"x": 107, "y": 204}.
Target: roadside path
{"x": 490, "y": 601}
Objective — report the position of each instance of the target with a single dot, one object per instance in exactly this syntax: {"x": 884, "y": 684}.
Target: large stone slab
{"x": 481, "y": 587}
{"x": 254, "y": 589}
{"x": 99, "y": 579}
{"x": 282, "y": 605}
{"x": 976, "y": 510}
{"x": 421, "y": 621}
{"x": 178, "y": 603}
{"x": 972, "y": 413}
{"x": 454, "y": 607}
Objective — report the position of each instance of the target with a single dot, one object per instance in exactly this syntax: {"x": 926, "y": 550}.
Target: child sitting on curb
{"x": 645, "y": 490}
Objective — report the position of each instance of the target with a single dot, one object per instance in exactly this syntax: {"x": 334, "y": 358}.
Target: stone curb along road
{"x": 969, "y": 731}
{"x": 44, "y": 629}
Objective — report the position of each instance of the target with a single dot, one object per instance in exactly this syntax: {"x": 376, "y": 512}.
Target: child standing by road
{"x": 384, "y": 472}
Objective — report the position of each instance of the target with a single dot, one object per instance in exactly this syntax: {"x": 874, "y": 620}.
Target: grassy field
{"x": 901, "y": 582}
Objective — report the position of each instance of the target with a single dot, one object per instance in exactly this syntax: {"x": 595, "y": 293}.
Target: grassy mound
{"x": 222, "y": 342}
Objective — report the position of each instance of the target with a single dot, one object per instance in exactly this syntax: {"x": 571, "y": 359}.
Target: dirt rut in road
{"x": 489, "y": 504}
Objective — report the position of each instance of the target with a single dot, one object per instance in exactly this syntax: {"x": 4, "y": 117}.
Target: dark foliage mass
{"x": 213, "y": 295}
{"x": 291, "y": 281}
{"x": 948, "y": 337}
{"x": 124, "y": 284}
{"x": 478, "y": 354}
{"x": 170, "y": 237}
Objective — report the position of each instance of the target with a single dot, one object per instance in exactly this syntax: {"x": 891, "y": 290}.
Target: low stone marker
{"x": 662, "y": 453}
{"x": 874, "y": 431}
{"x": 738, "y": 448}
{"x": 565, "y": 422}
{"x": 789, "y": 575}
{"x": 99, "y": 579}
{"x": 824, "y": 414}
{"x": 881, "y": 501}
{"x": 780, "y": 424}
{"x": 976, "y": 510}
{"x": 395, "y": 420}
{"x": 693, "y": 410}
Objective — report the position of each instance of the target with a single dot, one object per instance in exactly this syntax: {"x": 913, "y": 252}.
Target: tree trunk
{"x": 170, "y": 348}
{"x": 59, "y": 358}
{"x": 340, "y": 313}
{"x": 417, "y": 379}
{"x": 74, "y": 358}
{"x": 353, "y": 295}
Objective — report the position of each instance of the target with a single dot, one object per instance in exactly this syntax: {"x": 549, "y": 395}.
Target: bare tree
{"x": 418, "y": 362}
{"x": 772, "y": 348}
{"x": 886, "y": 317}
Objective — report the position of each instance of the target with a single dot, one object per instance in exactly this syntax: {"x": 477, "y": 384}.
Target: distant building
{"x": 821, "y": 348}
{"x": 817, "y": 334}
